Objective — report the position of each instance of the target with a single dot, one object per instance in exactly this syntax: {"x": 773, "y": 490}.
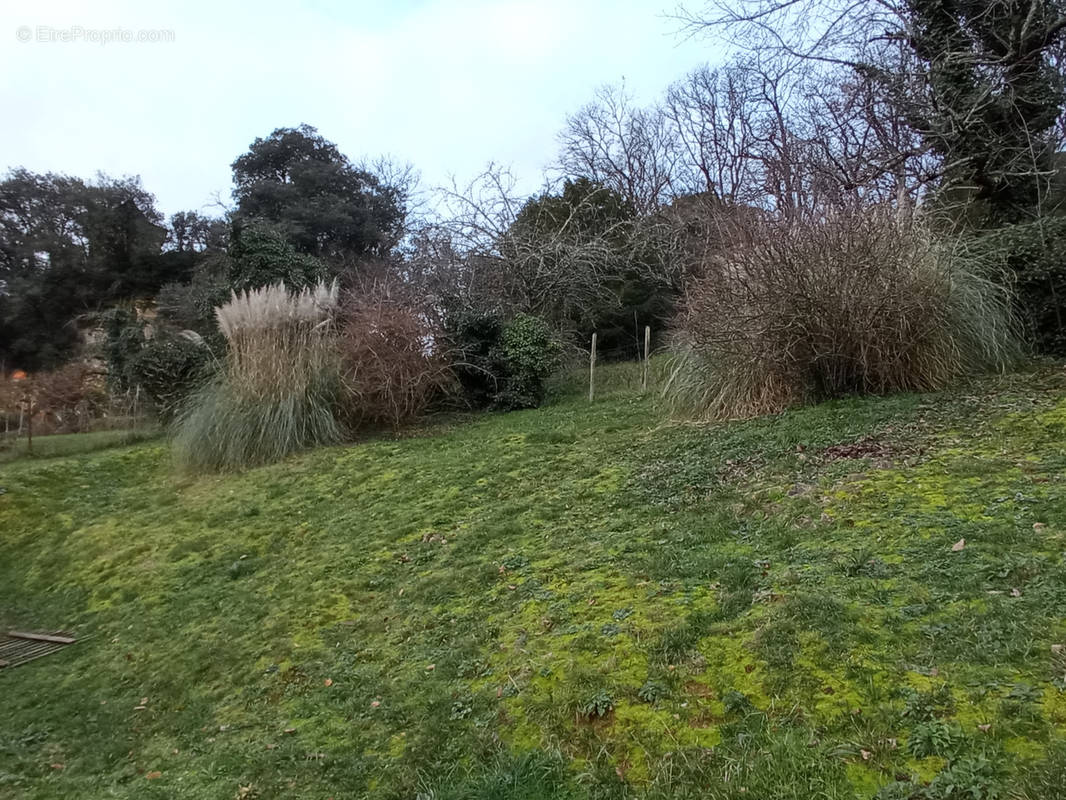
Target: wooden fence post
{"x": 29, "y": 426}
{"x": 647, "y": 348}
{"x": 592, "y": 369}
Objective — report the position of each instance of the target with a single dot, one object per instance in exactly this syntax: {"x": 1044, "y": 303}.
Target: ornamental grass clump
{"x": 861, "y": 301}
{"x": 277, "y": 391}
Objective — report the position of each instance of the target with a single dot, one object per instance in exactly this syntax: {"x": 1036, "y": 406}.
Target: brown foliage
{"x": 858, "y": 301}
{"x": 391, "y": 362}
{"x": 66, "y": 399}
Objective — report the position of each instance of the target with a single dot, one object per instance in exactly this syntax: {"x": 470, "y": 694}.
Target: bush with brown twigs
{"x": 392, "y": 366}
{"x": 863, "y": 301}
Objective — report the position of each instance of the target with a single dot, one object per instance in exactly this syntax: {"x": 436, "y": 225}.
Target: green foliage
{"x": 1048, "y": 776}
{"x": 736, "y": 702}
{"x": 169, "y": 367}
{"x": 502, "y": 365}
{"x": 68, "y": 247}
{"x": 1034, "y": 256}
{"x": 598, "y": 704}
{"x": 653, "y": 691}
{"x": 934, "y": 738}
{"x": 970, "y": 778}
{"x": 583, "y": 207}
{"x": 474, "y": 338}
{"x": 225, "y": 428}
{"x": 124, "y": 333}
{"x": 529, "y": 354}
{"x": 260, "y": 255}
{"x": 191, "y": 306}
{"x": 927, "y": 706}
{"x": 323, "y": 206}
{"x": 988, "y": 110}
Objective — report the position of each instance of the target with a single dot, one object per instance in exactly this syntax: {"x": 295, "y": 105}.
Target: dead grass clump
{"x": 859, "y": 302}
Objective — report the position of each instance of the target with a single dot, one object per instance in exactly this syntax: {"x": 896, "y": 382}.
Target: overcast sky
{"x": 445, "y": 84}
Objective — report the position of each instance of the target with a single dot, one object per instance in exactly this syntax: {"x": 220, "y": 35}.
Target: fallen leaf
{"x": 961, "y": 543}
{"x": 328, "y": 682}
{"x": 154, "y": 774}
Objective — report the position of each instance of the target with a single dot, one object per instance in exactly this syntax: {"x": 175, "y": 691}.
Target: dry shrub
{"x": 279, "y": 388}
{"x": 67, "y": 399}
{"x": 391, "y": 362}
{"x": 859, "y": 302}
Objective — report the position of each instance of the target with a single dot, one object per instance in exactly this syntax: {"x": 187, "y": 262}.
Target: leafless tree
{"x": 629, "y": 149}
{"x": 974, "y": 83}
{"x": 714, "y": 114}
{"x": 494, "y": 249}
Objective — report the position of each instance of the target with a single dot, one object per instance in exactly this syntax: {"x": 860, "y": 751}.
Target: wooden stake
{"x": 29, "y": 426}
{"x": 592, "y": 369}
{"x": 647, "y": 348}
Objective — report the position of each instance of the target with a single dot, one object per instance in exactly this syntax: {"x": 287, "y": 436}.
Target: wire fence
{"x": 24, "y": 418}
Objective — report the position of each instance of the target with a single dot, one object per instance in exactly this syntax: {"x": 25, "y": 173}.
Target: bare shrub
{"x": 860, "y": 301}
{"x": 391, "y": 362}
{"x": 68, "y": 398}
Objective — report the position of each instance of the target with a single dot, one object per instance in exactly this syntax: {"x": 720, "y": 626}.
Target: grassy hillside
{"x": 578, "y": 601}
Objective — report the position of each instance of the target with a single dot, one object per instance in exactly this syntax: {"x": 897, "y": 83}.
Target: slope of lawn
{"x": 577, "y": 601}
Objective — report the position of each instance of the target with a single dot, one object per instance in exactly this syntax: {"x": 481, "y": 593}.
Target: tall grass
{"x": 278, "y": 389}
{"x": 860, "y": 302}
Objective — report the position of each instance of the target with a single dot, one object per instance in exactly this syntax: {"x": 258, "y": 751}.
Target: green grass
{"x": 578, "y": 601}
{"x": 69, "y": 444}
